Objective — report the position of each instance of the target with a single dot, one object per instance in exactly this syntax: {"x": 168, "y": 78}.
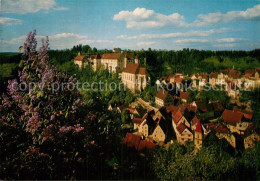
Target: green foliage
{"x": 6, "y": 70}
{"x": 125, "y": 116}
{"x": 149, "y": 93}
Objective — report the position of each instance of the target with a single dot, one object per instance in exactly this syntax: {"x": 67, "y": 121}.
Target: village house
{"x": 248, "y": 115}
{"x": 251, "y": 78}
{"x": 161, "y": 98}
{"x": 212, "y": 78}
{"x": 153, "y": 126}
{"x": 183, "y": 134}
{"x": 223, "y": 132}
{"x": 81, "y": 60}
{"x": 184, "y": 96}
{"x": 136, "y": 141}
{"x": 235, "y": 121}
{"x": 250, "y": 140}
{"x": 199, "y": 79}
{"x": 137, "y": 122}
{"x": 159, "y": 133}
{"x": 134, "y": 76}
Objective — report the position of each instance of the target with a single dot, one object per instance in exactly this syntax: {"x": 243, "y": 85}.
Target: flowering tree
{"x": 42, "y": 120}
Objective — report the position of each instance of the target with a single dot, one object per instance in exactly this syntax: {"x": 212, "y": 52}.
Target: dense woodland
{"x": 96, "y": 151}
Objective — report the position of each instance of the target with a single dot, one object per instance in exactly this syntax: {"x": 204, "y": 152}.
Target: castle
{"x": 133, "y": 75}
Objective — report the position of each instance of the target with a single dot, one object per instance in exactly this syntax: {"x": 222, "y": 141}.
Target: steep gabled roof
{"x": 135, "y": 68}
{"x": 178, "y": 79}
{"x": 180, "y": 128}
{"x": 123, "y": 106}
{"x": 80, "y": 57}
{"x": 195, "y": 120}
{"x": 247, "y": 114}
{"x": 162, "y": 94}
{"x": 220, "y": 128}
{"x": 132, "y": 140}
{"x": 232, "y": 117}
{"x": 213, "y": 75}
{"x": 177, "y": 116}
{"x": 184, "y": 95}
{"x": 145, "y": 144}
{"x": 138, "y": 120}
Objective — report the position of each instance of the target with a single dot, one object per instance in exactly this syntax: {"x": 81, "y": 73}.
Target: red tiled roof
{"x": 198, "y": 127}
{"x": 180, "y": 128}
{"x": 138, "y": 120}
{"x": 232, "y": 117}
{"x": 132, "y": 140}
{"x": 248, "y": 75}
{"x": 145, "y": 144}
{"x": 143, "y": 71}
{"x": 221, "y": 129}
{"x": 195, "y": 120}
{"x": 178, "y": 79}
{"x": 177, "y": 116}
{"x": 80, "y": 57}
{"x": 162, "y": 94}
{"x": 131, "y": 110}
{"x": 235, "y": 74}
{"x": 247, "y": 114}
{"x": 184, "y": 95}
{"x": 133, "y": 68}
{"x": 111, "y": 56}
{"x": 213, "y": 75}
{"x": 171, "y": 108}
{"x": 191, "y": 108}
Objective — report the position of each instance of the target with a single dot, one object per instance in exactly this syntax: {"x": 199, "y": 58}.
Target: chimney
{"x": 79, "y": 53}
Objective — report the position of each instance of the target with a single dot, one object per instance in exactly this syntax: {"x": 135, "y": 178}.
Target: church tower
{"x": 198, "y": 136}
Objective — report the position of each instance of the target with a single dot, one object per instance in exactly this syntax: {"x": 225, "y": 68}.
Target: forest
{"x": 72, "y": 135}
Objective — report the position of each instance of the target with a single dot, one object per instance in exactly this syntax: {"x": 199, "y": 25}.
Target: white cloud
{"x": 177, "y": 34}
{"x": 61, "y": 8}
{"x": 66, "y": 35}
{"x": 145, "y": 18}
{"x": 59, "y": 41}
{"x": 224, "y": 40}
{"x": 228, "y": 45}
{"x": 218, "y": 17}
{"x": 192, "y": 40}
{"x": 93, "y": 41}
{"x": 28, "y": 6}
{"x": 10, "y": 21}
{"x": 145, "y": 44}
{"x": 125, "y": 37}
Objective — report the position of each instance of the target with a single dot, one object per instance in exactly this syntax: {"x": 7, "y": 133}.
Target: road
{"x": 146, "y": 105}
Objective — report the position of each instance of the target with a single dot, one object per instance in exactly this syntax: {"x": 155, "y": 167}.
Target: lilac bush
{"x": 42, "y": 126}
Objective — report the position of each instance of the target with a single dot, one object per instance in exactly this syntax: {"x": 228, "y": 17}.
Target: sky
{"x": 133, "y": 24}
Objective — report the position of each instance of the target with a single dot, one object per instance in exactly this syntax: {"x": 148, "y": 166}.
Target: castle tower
{"x": 136, "y": 60}
{"x": 198, "y": 136}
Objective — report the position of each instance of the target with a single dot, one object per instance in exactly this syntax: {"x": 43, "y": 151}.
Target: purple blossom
{"x": 52, "y": 117}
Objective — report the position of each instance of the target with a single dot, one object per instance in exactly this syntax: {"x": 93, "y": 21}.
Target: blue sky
{"x": 133, "y": 24}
